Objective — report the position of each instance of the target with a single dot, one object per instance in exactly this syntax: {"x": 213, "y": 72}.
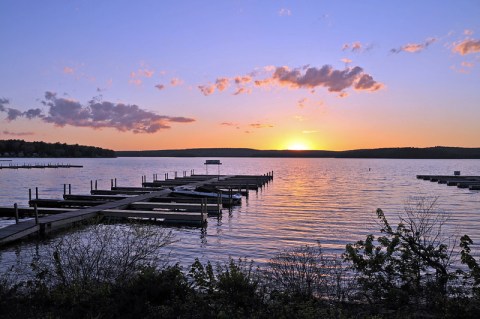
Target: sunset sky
{"x": 333, "y": 75}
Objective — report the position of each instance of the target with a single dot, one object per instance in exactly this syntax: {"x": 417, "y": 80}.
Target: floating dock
{"x": 470, "y": 182}
{"x": 30, "y": 166}
{"x": 154, "y": 201}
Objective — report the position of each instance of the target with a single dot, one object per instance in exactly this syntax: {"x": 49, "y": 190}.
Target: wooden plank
{"x": 18, "y": 231}
{"x": 167, "y": 216}
{"x": 195, "y": 207}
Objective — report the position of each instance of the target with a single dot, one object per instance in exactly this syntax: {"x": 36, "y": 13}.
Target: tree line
{"x": 21, "y": 148}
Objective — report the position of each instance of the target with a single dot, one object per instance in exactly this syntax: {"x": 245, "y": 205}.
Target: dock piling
{"x": 15, "y": 207}
{"x": 36, "y": 192}
{"x": 29, "y": 194}
{"x": 35, "y": 210}
{"x": 69, "y": 189}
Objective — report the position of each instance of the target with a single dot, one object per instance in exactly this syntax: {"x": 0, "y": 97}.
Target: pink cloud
{"x": 260, "y": 125}
{"x": 467, "y": 46}
{"x": 222, "y": 84}
{"x": 18, "y": 133}
{"x": 305, "y": 77}
{"x": 302, "y": 102}
{"x": 160, "y": 86}
{"x": 242, "y": 90}
{"x": 414, "y": 47}
{"x": 207, "y": 89}
{"x": 356, "y": 47}
{"x": 176, "y": 81}
{"x": 242, "y": 79}
{"x": 68, "y": 70}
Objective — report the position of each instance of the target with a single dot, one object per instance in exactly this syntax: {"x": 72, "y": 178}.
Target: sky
{"x": 328, "y": 75}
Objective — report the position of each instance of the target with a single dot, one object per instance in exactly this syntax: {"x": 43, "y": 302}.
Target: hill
{"x": 438, "y": 152}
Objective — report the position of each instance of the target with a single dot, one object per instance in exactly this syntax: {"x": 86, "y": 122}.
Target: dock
{"x": 43, "y": 166}
{"x": 470, "y": 182}
{"x": 153, "y": 201}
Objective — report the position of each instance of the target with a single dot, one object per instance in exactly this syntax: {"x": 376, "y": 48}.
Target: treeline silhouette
{"x": 437, "y": 152}
{"x": 21, "y": 148}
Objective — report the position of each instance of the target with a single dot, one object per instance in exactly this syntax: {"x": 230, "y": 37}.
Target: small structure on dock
{"x": 212, "y": 162}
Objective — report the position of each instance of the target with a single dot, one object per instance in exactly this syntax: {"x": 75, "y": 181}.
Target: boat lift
{"x": 213, "y": 162}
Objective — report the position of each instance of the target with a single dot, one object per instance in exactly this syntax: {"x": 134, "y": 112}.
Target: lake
{"x": 332, "y": 201}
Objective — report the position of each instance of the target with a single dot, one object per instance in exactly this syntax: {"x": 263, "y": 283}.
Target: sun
{"x": 298, "y": 146}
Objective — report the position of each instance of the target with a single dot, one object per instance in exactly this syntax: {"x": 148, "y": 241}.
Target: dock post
{"x": 175, "y": 174}
{"x": 115, "y": 182}
{"x": 246, "y": 191}
{"x": 96, "y": 184}
{"x": 64, "y": 189}
{"x": 69, "y": 189}
{"x": 29, "y": 194}
{"x": 36, "y": 192}
{"x": 219, "y": 200}
{"x": 111, "y": 183}
{"x": 15, "y": 207}
{"x": 35, "y": 210}
{"x": 91, "y": 185}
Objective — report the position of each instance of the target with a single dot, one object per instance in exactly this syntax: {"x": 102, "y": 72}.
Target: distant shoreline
{"x": 438, "y": 152}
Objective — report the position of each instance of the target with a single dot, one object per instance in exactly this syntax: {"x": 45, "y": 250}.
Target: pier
{"x": 470, "y": 182}
{"x": 186, "y": 200}
{"x": 30, "y": 166}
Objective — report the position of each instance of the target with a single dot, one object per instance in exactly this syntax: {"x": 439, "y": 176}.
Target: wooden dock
{"x": 470, "y": 182}
{"x": 30, "y": 166}
{"x": 152, "y": 201}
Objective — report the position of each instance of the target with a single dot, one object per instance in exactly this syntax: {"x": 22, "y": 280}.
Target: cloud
{"x": 302, "y": 102}
{"x": 284, "y": 12}
{"x": 466, "y": 64}
{"x": 414, "y": 47}
{"x": 239, "y": 80}
{"x": 242, "y": 90}
{"x": 17, "y": 133}
{"x": 468, "y": 32}
{"x": 304, "y": 77}
{"x": 260, "y": 125}
{"x": 13, "y": 114}
{"x": 326, "y": 76}
{"x": 222, "y": 84}
{"x": 467, "y": 46}
{"x": 136, "y": 77}
{"x": 310, "y": 132}
{"x": 160, "y": 86}
{"x": 97, "y": 114}
{"x": 176, "y": 81}
{"x": 3, "y": 102}
{"x": 68, "y": 70}
{"x": 228, "y": 124}
{"x": 356, "y": 47}
{"x": 207, "y": 89}
{"x": 346, "y": 61}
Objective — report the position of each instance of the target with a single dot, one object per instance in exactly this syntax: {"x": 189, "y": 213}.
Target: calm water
{"x": 328, "y": 200}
